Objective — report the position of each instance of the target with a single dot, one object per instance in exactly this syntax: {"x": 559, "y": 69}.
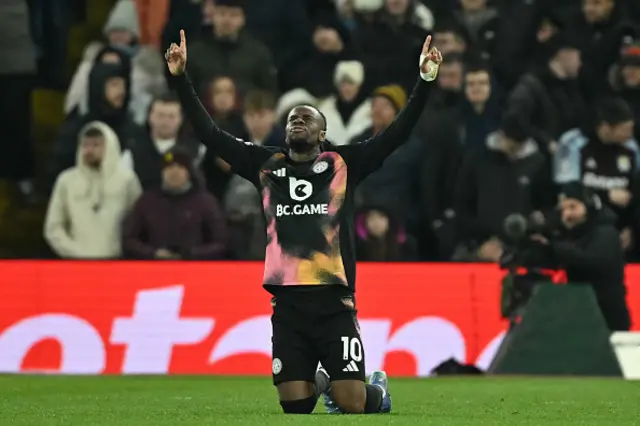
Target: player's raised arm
{"x": 240, "y": 156}
{"x": 374, "y": 150}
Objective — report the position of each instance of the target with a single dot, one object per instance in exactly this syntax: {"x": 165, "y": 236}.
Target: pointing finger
{"x": 183, "y": 39}
{"x": 425, "y": 46}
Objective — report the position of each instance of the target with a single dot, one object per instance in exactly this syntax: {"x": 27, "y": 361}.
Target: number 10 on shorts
{"x": 351, "y": 348}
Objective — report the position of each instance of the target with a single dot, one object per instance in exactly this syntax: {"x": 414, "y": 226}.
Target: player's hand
{"x": 176, "y": 56}
{"x": 620, "y": 197}
{"x": 430, "y": 60}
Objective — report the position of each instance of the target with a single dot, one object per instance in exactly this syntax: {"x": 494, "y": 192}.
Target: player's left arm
{"x": 372, "y": 152}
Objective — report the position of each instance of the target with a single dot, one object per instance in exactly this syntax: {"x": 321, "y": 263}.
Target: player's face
{"x": 573, "y": 212}
{"x": 597, "y": 10}
{"x": 305, "y": 129}
{"x": 631, "y": 76}
{"x": 477, "y": 87}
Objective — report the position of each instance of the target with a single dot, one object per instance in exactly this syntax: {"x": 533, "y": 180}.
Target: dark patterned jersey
{"x": 308, "y": 206}
{"x": 601, "y": 167}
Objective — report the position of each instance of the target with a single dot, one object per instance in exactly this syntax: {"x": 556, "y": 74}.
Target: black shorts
{"x": 302, "y": 338}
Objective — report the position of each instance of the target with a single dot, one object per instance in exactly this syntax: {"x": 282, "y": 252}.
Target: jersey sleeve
{"x": 244, "y": 158}
{"x": 368, "y": 156}
{"x": 566, "y": 161}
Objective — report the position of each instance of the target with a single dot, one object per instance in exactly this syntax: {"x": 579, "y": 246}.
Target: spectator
{"x": 449, "y": 39}
{"x": 626, "y": 80}
{"x": 448, "y": 90}
{"x": 231, "y": 51}
{"x": 108, "y": 101}
{"x": 315, "y": 74}
{"x": 589, "y": 251}
{"x": 393, "y": 185}
{"x": 481, "y": 23}
{"x": 145, "y": 155}
{"x": 550, "y": 95}
{"x": 90, "y": 200}
{"x": 248, "y": 239}
{"x": 449, "y": 134}
{"x": 601, "y": 27}
{"x": 509, "y": 175}
{"x": 260, "y": 119}
{"x": 225, "y": 106}
{"x": 16, "y": 82}
{"x": 143, "y": 65}
{"x": 178, "y": 221}
{"x": 152, "y": 16}
{"x": 605, "y": 159}
{"x": 396, "y": 36}
{"x": 348, "y": 113}
{"x": 284, "y": 27}
{"x": 381, "y": 238}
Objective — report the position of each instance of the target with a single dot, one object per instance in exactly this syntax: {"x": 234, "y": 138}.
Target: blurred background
{"x": 526, "y": 88}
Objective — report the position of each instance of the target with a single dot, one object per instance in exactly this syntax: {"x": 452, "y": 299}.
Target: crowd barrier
{"x": 214, "y": 317}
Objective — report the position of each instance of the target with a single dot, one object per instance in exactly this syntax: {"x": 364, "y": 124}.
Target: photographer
{"x": 588, "y": 248}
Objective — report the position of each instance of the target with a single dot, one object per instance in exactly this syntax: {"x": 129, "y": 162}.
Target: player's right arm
{"x": 243, "y": 157}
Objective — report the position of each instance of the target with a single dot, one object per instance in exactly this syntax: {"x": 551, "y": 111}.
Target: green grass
{"x": 124, "y": 401}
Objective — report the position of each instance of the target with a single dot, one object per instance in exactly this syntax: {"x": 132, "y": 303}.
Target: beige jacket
{"x": 87, "y": 207}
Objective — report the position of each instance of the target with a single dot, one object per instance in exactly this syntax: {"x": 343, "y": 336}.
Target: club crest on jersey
{"x": 624, "y": 164}
{"x": 320, "y": 167}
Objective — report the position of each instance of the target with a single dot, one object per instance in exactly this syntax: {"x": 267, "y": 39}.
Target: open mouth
{"x": 298, "y": 129}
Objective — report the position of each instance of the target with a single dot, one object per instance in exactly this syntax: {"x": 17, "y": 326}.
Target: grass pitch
{"x": 159, "y": 401}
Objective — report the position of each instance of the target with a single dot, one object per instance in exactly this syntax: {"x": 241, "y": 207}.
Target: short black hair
{"x": 477, "y": 66}
{"x": 166, "y": 97}
{"x": 93, "y": 132}
{"x": 324, "y": 118}
{"x": 613, "y": 111}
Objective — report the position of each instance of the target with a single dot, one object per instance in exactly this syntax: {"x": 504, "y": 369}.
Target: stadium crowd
{"x": 532, "y": 94}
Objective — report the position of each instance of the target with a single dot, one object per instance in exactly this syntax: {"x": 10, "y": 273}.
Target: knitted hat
{"x": 349, "y": 70}
{"x": 394, "y": 93}
{"x": 178, "y": 155}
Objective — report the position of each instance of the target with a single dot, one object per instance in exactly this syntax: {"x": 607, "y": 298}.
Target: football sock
{"x": 373, "y": 404}
{"x": 299, "y": 406}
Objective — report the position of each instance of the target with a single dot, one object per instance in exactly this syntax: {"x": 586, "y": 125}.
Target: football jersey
{"x": 308, "y": 206}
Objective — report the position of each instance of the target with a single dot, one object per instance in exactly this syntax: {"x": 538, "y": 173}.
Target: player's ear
{"x": 322, "y": 136}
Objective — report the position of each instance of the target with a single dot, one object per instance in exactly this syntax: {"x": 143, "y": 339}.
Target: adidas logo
{"x": 280, "y": 172}
{"x": 352, "y": 366}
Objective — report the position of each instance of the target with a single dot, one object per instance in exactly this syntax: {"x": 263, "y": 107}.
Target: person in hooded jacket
{"x": 381, "y": 238}
{"x": 91, "y": 199}
{"x": 589, "y": 250}
{"x": 107, "y": 102}
{"x": 180, "y": 220}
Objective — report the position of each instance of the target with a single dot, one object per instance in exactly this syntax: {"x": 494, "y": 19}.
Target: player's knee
{"x": 299, "y": 406}
{"x": 351, "y": 406}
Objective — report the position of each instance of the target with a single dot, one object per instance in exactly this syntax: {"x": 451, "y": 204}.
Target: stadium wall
{"x": 214, "y": 317}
